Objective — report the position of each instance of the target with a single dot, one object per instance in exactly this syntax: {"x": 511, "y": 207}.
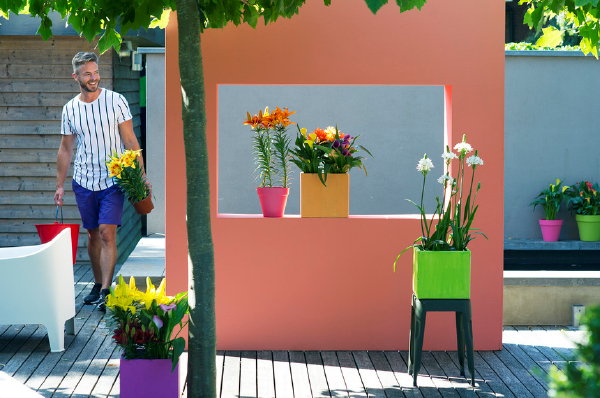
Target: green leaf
{"x": 45, "y": 29}
{"x": 178, "y": 347}
{"x": 588, "y": 47}
{"x": 110, "y": 38}
{"x": 580, "y": 3}
{"x": 375, "y": 5}
{"x": 551, "y": 37}
{"x": 407, "y": 5}
{"x": 533, "y": 17}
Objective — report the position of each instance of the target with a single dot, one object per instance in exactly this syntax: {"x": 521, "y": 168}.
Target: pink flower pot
{"x": 148, "y": 378}
{"x": 550, "y": 229}
{"x": 273, "y": 200}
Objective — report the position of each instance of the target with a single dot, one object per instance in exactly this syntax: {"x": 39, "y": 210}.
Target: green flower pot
{"x": 442, "y": 274}
{"x": 589, "y": 227}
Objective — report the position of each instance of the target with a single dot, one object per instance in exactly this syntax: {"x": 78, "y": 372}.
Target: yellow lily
{"x": 123, "y": 295}
{"x": 153, "y": 293}
{"x": 115, "y": 169}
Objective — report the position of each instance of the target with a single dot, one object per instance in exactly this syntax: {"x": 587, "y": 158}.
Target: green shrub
{"x": 581, "y": 379}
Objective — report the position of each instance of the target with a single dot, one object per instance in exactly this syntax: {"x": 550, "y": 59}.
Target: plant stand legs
{"x": 464, "y": 332}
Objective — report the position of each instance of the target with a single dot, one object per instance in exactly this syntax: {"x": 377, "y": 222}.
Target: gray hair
{"x": 82, "y": 58}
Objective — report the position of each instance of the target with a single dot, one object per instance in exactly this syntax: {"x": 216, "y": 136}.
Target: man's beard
{"x": 85, "y": 87}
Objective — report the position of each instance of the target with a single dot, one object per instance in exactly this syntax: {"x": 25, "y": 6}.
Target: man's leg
{"x": 94, "y": 248}
{"x": 108, "y": 253}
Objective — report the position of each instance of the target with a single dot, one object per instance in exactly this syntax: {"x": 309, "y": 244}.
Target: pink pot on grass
{"x": 551, "y": 229}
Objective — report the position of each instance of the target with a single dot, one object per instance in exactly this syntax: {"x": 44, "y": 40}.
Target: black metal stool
{"x": 464, "y": 332}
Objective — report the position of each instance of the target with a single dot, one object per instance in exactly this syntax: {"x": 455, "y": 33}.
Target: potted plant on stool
{"x": 550, "y": 199}
{"x": 441, "y": 260}
{"x": 272, "y": 156}
{"x": 584, "y": 199}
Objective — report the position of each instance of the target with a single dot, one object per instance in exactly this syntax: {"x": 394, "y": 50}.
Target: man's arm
{"x": 63, "y": 161}
{"x": 129, "y": 139}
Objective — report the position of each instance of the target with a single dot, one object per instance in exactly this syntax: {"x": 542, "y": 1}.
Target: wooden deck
{"x": 89, "y": 365}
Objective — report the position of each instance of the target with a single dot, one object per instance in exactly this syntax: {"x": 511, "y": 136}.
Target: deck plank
{"x": 334, "y": 374}
{"x": 283, "y": 374}
{"x": 368, "y": 374}
{"x": 317, "y": 375}
{"x": 437, "y": 375}
{"x": 490, "y": 377}
{"x": 109, "y": 376}
{"x": 351, "y": 374}
{"x": 231, "y": 375}
{"x": 535, "y": 337}
{"x": 219, "y": 361}
{"x": 265, "y": 380}
{"x": 391, "y": 387}
{"x": 400, "y": 371}
{"x": 248, "y": 374}
{"x": 424, "y": 381}
{"x": 300, "y": 379}
{"x": 482, "y": 389}
{"x": 460, "y": 385}
{"x": 521, "y": 372}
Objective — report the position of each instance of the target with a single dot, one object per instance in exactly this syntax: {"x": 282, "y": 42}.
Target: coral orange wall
{"x": 297, "y": 283}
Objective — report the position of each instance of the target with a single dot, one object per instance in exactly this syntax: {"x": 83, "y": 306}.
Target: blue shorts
{"x": 99, "y": 207}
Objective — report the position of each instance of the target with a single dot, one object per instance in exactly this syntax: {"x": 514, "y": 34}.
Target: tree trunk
{"x": 202, "y": 340}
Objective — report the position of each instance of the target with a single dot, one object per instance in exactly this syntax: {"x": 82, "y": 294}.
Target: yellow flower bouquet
{"x": 129, "y": 176}
{"x": 144, "y": 321}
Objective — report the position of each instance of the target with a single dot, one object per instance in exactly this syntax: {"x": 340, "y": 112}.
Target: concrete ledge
{"x": 551, "y": 278}
{"x": 547, "y": 297}
{"x": 146, "y": 260}
{"x": 532, "y": 244}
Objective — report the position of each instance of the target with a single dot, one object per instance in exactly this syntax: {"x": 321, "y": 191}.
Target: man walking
{"x": 96, "y": 123}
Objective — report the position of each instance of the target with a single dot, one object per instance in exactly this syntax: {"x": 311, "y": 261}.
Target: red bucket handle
{"x": 62, "y": 221}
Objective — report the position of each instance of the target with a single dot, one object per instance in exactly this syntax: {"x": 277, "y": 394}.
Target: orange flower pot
{"x": 330, "y": 200}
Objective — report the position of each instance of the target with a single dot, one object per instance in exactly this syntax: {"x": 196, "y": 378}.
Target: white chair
{"x": 37, "y": 287}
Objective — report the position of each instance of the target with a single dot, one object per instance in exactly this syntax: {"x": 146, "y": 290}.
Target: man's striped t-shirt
{"x": 96, "y": 128}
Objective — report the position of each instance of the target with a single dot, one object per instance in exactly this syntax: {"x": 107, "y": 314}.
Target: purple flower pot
{"x": 148, "y": 378}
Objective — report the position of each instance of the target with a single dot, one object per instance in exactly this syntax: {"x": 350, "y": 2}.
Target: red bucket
{"x": 47, "y": 232}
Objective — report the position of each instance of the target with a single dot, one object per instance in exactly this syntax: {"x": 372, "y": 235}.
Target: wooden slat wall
{"x": 35, "y": 82}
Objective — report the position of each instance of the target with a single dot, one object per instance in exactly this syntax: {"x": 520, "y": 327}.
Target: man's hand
{"x": 58, "y": 196}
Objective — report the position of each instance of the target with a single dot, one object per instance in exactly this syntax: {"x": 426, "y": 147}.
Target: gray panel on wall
{"x": 398, "y": 124}
{"x": 552, "y": 105}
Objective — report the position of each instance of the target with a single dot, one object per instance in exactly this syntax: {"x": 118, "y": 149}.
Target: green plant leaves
{"x": 552, "y": 37}
{"x": 178, "y": 347}
{"x": 375, "y": 5}
{"x": 581, "y": 14}
{"x": 407, "y": 5}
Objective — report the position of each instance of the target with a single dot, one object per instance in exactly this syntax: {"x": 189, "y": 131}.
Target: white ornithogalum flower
{"x": 444, "y": 178}
{"x": 463, "y": 148}
{"x": 449, "y": 156}
{"x": 474, "y": 161}
{"x": 424, "y": 165}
